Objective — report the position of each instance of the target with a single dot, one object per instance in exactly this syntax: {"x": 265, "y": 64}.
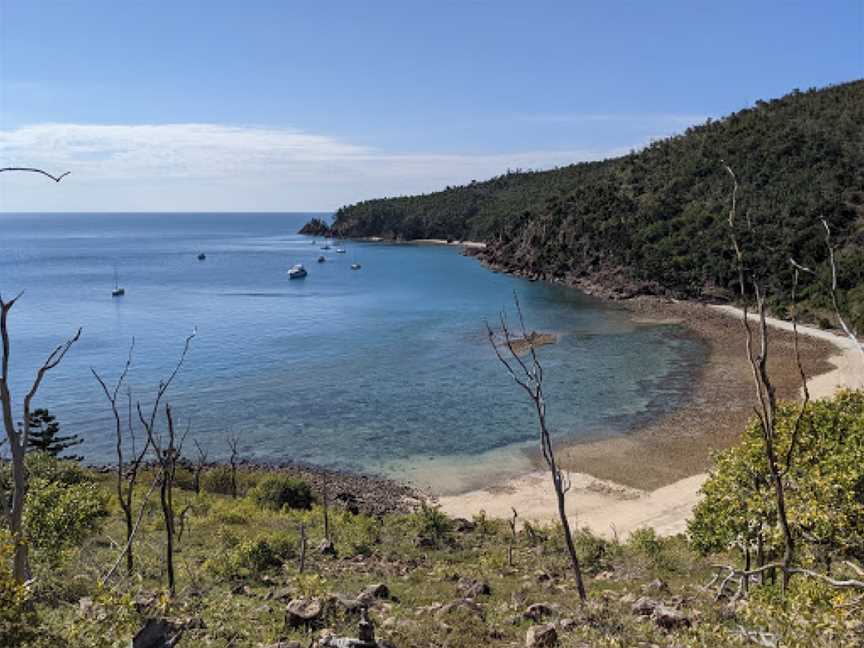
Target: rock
{"x": 539, "y": 611}
{"x": 283, "y": 594}
{"x": 460, "y": 604}
{"x": 644, "y": 606}
{"x": 327, "y": 548}
{"x": 541, "y": 636}
{"x": 542, "y": 577}
{"x": 156, "y": 633}
{"x": 348, "y": 603}
{"x": 656, "y": 586}
{"x": 670, "y": 618}
{"x": 85, "y": 606}
{"x": 461, "y": 525}
{"x": 302, "y": 612}
{"x": 470, "y": 588}
{"x": 377, "y": 591}
{"x": 605, "y": 575}
{"x": 285, "y": 644}
{"x": 567, "y": 624}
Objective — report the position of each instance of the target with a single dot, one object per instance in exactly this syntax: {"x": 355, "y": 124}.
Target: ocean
{"x": 385, "y": 369}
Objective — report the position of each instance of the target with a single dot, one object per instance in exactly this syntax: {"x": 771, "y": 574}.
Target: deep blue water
{"x": 385, "y": 369}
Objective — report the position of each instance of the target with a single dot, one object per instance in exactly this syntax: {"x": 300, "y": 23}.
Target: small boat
{"x": 202, "y": 256}
{"x": 117, "y": 291}
{"x": 325, "y": 247}
{"x": 297, "y": 272}
{"x": 340, "y": 250}
{"x": 321, "y": 259}
{"x": 356, "y": 266}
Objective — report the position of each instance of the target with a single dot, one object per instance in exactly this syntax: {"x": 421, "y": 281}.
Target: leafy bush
{"x": 59, "y": 516}
{"x": 217, "y": 480}
{"x": 591, "y": 551}
{"x": 276, "y": 491}
{"x": 256, "y": 555}
{"x": 431, "y": 524}
{"x": 18, "y": 622}
{"x": 825, "y": 486}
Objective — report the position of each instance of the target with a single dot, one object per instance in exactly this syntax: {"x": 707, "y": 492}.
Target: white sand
{"x": 607, "y": 508}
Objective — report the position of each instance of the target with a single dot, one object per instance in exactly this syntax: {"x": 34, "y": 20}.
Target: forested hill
{"x": 655, "y": 220}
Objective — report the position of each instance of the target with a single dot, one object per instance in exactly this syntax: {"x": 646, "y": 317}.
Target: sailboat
{"x": 118, "y": 291}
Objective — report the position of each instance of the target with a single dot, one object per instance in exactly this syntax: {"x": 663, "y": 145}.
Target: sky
{"x": 306, "y": 106}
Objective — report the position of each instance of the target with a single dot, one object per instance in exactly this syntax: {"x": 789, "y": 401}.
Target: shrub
{"x": 256, "y": 555}
{"x": 430, "y": 523}
{"x": 58, "y": 516}
{"x": 18, "y": 623}
{"x": 276, "y": 491}
{"x": 217, "y": 480}
{"x": 591, "y": 550}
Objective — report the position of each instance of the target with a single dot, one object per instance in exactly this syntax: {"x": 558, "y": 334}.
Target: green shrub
{"x": 18, "y": 622}
{"x": 276, "y": 491}
{"x": 256, "y": 555}
{"x": 591, "y": 550}
{"x": 217, "y": 480}
{"x": 59, "y": 516}
{"x": 431, "y": 524}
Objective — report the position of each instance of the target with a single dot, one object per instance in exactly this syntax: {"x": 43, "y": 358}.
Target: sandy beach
{"x": 651, "y": 476}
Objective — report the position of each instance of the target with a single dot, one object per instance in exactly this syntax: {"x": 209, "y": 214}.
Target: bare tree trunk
{"x": 18, "y": 438}
{"x": 233, "y": 445}
{"x": 530, "y": 378}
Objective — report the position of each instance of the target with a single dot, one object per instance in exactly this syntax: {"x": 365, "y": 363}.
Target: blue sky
{"x": 306, "y": 106}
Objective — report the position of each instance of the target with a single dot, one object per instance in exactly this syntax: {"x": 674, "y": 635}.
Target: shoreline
{"x": 612, "y": 494}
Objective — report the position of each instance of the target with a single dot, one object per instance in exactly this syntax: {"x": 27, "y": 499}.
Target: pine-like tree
{"x": 45, "y": 435}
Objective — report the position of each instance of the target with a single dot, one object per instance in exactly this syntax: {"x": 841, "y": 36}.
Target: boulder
{"x": 541, "y": 636}
{"x": 460, "y": 604}
{"x": 470, "y": 588}
{"x": 644, "y": 606}
{"x": 670, "y": 618}
{"x": 156, "y": 633}
{"x": 374, "y": 592}
{"x": 461, "y": 525}
{"x": 539, "y": 611}
{"x": 302, "y": 612}
{"x": 656, "y": 586}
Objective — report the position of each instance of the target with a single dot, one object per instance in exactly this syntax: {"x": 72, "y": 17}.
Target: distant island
{"x": 654, "y": 222}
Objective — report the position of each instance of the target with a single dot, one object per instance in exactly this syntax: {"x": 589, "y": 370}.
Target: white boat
{"x": 117, "y": 291}
{"x": 356, "y": 266}
{"x": 297, "y": 272}
{"x": 340, "y": 250}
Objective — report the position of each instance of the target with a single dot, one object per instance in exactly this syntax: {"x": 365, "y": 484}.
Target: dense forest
{"x": 655, "y": 221}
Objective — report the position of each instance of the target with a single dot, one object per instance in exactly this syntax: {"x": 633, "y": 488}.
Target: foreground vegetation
{"x": 654, "y": 221}
{"x": 432, "y": 581}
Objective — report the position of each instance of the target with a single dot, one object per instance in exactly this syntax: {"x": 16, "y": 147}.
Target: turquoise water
{"x": 386, "y": 369}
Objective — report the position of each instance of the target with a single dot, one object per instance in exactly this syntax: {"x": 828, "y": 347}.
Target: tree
{"x": 45, "y": 435}
{"x": 18, "y": 438}
{"x": 529, "y": 376}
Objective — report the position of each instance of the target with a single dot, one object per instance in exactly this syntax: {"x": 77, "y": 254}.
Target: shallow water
{"x": 385, "y": 369}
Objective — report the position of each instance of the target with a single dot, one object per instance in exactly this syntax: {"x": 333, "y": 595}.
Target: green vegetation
{"x": 45, "y": 435}
{"x": 653, "y": 221}
{"x": 451, "y": 582}
{"x": 277, "y": 491}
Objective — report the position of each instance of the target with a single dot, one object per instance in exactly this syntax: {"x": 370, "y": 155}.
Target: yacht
{"x": 297, "y": 272}
{"x": 356, "y": 266}
{"x": 321, "y": 259}
{"x": 117, "y": 291}
{"x": 202, "y": 256}
{"x": 340, "y": 250}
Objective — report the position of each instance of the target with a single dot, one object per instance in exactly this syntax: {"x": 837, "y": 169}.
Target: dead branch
{"x": 530, "y": 379}
{"x": 851, "y": 334}
{"x": 32, "y": 170}
{"x": 233, "y": 445}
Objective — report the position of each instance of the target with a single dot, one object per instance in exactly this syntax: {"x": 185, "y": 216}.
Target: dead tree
{"x": 127, "y": 472}
{"x": 166, "y": 457}
{"x": 32, "y": 170}
{"x": 765, "y": 393}
{"x": 233, "y": 446}
{"x": 512, "y": 524}
{"x": 18, "y": 437}
{"x": 529, "y": 376}
{"x": 200, "y": 463}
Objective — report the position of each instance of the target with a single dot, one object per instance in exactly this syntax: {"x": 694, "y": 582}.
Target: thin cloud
{"x": 215, "y": 166}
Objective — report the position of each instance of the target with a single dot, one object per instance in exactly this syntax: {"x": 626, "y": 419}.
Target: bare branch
{"x": 31, "y": 170}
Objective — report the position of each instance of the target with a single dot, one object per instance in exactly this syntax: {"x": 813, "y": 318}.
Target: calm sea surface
{"x": 385, "y": 369}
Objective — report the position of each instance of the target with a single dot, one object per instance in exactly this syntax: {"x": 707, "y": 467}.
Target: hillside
{"x": 654, "y": 221}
